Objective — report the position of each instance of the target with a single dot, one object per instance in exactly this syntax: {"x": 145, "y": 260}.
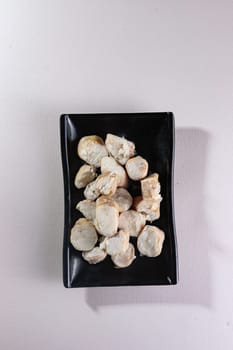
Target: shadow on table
{"x": 194, "y": 286}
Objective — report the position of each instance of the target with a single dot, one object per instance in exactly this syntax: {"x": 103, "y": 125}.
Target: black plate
{"x": 153, "y": 135}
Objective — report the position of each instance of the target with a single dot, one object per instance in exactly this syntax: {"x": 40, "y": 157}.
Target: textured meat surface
{"x": 92, "y": 149}
{"x": 107, "y": 216}
{"x": 87, "y": 208}
{"x": 149, "y": 207}
{"x": 124, "y": 259}
{"x": 117, "y": 244}
{"x": 83, "y": 235}
{"x": 123, "y": 199}
{"x": 110, "y": 164}
{"x": 150, "y": 241}
{"x": 137, "y": 168}
{"x": 120, "y": 148}
{"x": 132, "y": 221}
{"x": 150, "y": 187}
{"x": 94, "y": 256}
{"x": 84, "y": 176}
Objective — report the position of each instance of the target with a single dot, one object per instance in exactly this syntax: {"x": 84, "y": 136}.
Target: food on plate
{"x": 137, "y": 168}
{"x": 107, "y": 216}
{"x": 106, "y": 183}
{"x": 112, "y": 217}
{"x": 132, "y": 221}
{"x": 87, "y": 208}
{"x": 150, "y": 241}
{"x": 110, "y": 164}
{"x": 92, "y": 149}
{"x": 124, "y": 259}
{"x": 119, "y": 148}
{"x": 150, "y": 186}
{"x": 84, "y": 176}
{"x": 94, "y": 256}
{"x": 83, "y": 235}
{"x": 149, "y": 207}
{"x": 117, "y": 244}
{"x": 91, "y": 192}
{"x": 123, "y": 199}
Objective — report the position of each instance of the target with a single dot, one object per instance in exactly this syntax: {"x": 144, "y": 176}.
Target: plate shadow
{"x": 194, "y": 285}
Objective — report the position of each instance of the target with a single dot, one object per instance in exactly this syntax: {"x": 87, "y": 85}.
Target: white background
{"x": 115, "y": 56}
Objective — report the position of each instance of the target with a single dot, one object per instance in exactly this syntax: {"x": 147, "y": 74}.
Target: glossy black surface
{"x": 153, "y": 135}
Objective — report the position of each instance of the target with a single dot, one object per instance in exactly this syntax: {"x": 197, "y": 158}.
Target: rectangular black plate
{"x": 153, "y": 135}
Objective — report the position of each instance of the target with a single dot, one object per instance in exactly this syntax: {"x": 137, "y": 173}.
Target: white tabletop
{"x": 115, "y": 56}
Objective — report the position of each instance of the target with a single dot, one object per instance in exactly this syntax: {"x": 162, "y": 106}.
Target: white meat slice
{"x": 91, "y": 192}
{"x": 110, "y": 164}
{"x": 120, "y": 148}
{"x": 124, "y": 259}
{"x": 123, "y": 199}
{"x": 87, "y": 208}
{"x": 117, "y": 244}
{"x": 92, "y": 149}
{"x": 150, "y": 241}
{"x": 107, "y": 216}
{"x": 83, "y": 235}
{"x": 106, "y": 183}
{"x": 132, "y": 221}
{"x": 150, "y": 187}
{"x": 84, "y": 176}
{"x": 149, "y": 207}
{"x": 94, "y": 256}
{"x": 137, "y": 168}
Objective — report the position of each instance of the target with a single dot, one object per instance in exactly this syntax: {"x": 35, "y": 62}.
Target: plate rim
{"x": 67, "y": 194}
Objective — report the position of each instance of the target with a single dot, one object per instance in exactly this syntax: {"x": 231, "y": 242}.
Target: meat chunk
{"x": 124, "y": 259}
{"x": 106, "y": 183}
{"x": 92, "y": 149}
{"x": 110, "y": 164}
{"x": 87, "y": 208}
{"x": 132, "y": 221}
{"x": 150, "y": 187}
{"x": 150, "y": 241}
{"x": 137, "y": 168}
{"x": 149, "y": 207}
{"x": 123, "y": 199}
{"x": 117, "y": 244}
{"x": 83, "y": 235}
{"x": 91, "y": 191}
{"x": 120, "y": 148}
{"x": 107, "y": 216}
{"x": 84, "y": 176}
{"x": 94, "y": 256}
